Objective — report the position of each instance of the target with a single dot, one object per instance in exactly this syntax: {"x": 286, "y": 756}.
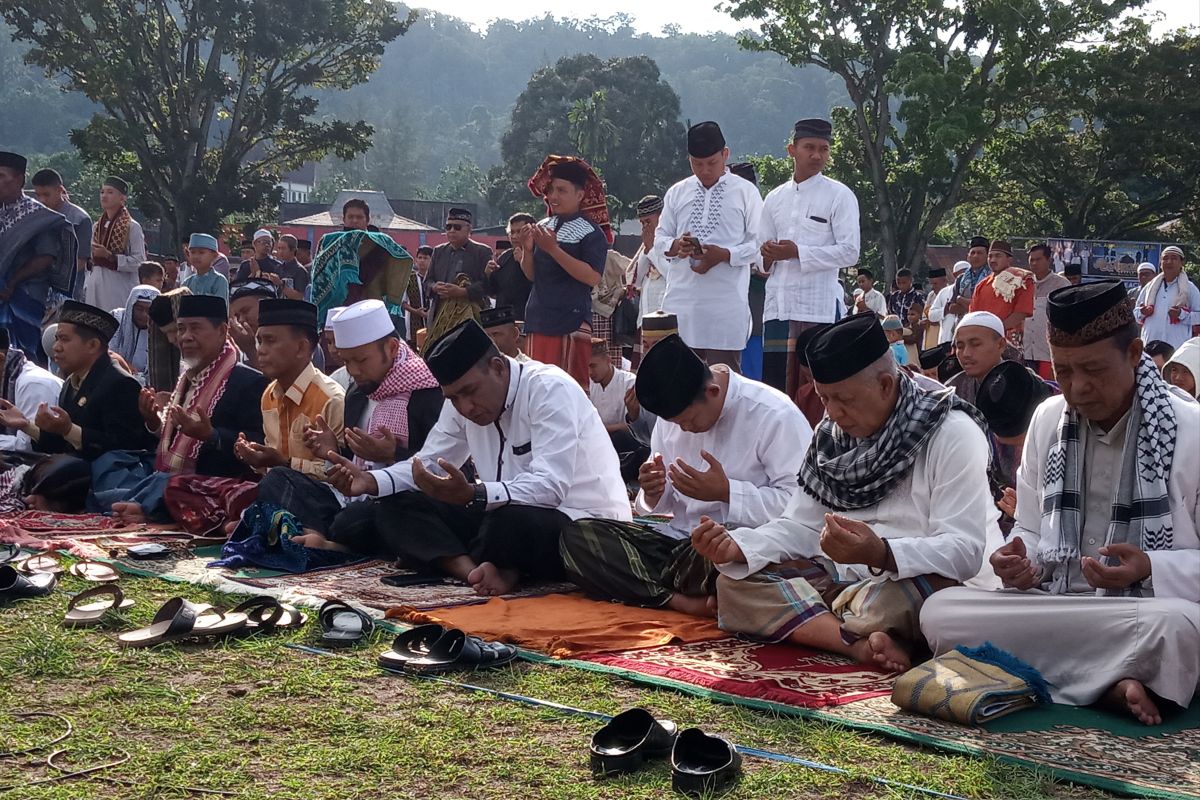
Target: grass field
{"x": 250, "y": 718}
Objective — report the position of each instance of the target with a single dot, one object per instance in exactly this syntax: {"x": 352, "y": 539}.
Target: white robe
{"x": 1094, "y": 641}
{"x": 34, "y": 387}
{"x": 760, "y": 439}
{"x": 108, "y": 289}
{"x": 714, "y": 308}
{"x": 1158, "y": 326}
{"x": 946, "y": 323}
{"x": 806, "y": 288}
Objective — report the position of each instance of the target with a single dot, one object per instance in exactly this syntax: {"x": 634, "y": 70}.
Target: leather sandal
{"x": 104, "y": 598}
{"x": 413, "y": 643}
{"x": 343, "y": 625}
{"x": 95, "y": 571}
{"x": 15, "y": 586}
{"x": 703, "y": 765}
{"x": 41, "y": 562}
{"x": 629, "y": 740}
{"x": 456, "y": 651}
{"x": 181, "y": 619}
{"x": 264, "y": 613}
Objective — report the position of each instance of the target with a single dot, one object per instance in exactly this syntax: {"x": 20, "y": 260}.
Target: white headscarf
{"x": 1187, "y": 356}
{"x": 131, "y": 342}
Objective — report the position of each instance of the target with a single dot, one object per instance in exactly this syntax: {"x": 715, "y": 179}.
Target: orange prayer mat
{"x": 567, "y": 625}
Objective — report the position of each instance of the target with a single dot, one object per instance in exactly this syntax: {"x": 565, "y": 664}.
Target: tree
{"x": 621, "y": 96}
{"x": 1110, "y": 155}
{"x": 929, "y": 83}
{"x": 206, "y": 102}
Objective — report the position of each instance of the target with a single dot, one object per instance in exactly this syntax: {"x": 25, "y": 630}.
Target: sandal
{"x": 456, "y": 650}
{"x": 182, "y": 619}
{"x": 413, "y": 643}
{"x": 264, "y": 613}
{"x": 48, "y": 562}
{"x": 81, "y": 614}
{"x": 343, "y": 625}
{"x": 15, "y": 586}
{"x": 95, "y": 571}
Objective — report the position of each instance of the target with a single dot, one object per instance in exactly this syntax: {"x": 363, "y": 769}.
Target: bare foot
{"x": 696, "y": 606}
{"x": 128, "y": 513}
{"x": 488, "y": 580}
{"x": 1132, "y": 696}
{"x": 318, "y": 542}
{"x": 882, "y": 652}
{"x": 230, "y": 527}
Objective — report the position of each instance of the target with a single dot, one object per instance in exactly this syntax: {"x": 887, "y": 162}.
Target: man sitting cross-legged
{"x": 892, "y": 507}
{"x": 726, "y": 448}
{"x": 1102, "y": 571}
{"x": 535, "y": 440}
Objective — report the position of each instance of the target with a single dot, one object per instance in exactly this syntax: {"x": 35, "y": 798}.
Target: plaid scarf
{"x": 408, "y": 374}
{"x": 177, "y": 452}
{"x": 1141, "y": 509}
{"x": 112, "y": 233}
{"x": 844, "y": 473}
{"x": 595, "y": 197}
{"x": 14, "y": 362}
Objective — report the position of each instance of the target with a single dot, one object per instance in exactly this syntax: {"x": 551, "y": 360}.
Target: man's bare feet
{"x": 488, "y": 580}
{"x": 128, "y": 513}
{"x": 696, "y": 606}
{"x": 318, "y": 542}
{"x": 882, "y": 652}
{"x": 1130, "y": 695}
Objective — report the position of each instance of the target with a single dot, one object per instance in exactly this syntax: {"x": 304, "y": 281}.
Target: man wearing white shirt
{"x": 27, "y": 386}
{"x": 705, "y": 244}
{"x": 1168, "y": 307}
{"x": 893, "y": 506}
{"x": 609, "y": 389}
{"x": 1101, "y": 574}
{"x": 539, "y": 447}
{"x": 868, "y": 299}
{"x": 940, "y": 312}
{"x": 809, "y": 233}
{"x": 726, "y": 448}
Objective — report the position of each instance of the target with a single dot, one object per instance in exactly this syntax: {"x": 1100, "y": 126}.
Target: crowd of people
{"x": 1009, "y": 456}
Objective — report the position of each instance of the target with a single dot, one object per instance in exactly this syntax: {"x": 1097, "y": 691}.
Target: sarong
{"x": 571, "y": 351}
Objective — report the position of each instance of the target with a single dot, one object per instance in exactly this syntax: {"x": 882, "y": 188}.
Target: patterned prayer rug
{"x": 61, "y": 524}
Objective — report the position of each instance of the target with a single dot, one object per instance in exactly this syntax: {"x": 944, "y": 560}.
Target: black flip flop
{"x": 15, "y": 586}
{"x": 181, "y": 619}
{"x": 456, "y": 651}
{"x": 413, "y": 643}
{"x": 264, "y": 613}
{"x": 105, "y": 598}
{"x": 704, "y": 765}
{"x": 343, "y": 625}
{"x": 629, "y": 740}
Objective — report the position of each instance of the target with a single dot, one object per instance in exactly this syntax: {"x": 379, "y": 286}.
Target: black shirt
{"x": 559, "y": 304}
{"x": 267, "y": 264}
{"x": 509, "y": 285}
{"x": 299, "y": 275}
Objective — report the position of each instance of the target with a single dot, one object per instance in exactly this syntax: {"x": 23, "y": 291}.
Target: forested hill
{"x": 445, "y": 92}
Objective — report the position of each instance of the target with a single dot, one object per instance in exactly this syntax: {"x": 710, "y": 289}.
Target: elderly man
{"x": 118, "y": 248}
{"x": 25, "y": 386}
{"x": 809, "y": 233}
{"x": 263, "y": 263}
{"x": 97, "y": 409}
{"x": 537, "y": 443}
{"x": 1102, "y": 573}
{"x": 893, "y": 506}
{"x": 726, "y": 448}
{"x": 1168, "y": 307}
{"x": 1008, "y": 293}
{"x": 501, "y": 325}
{"x": 979, "y": 345}
{"x": 706, "y": 243}
{"x": 459, "y": 256}
{"x": 1046, "y": 280}
{"x": 38, "y": 252}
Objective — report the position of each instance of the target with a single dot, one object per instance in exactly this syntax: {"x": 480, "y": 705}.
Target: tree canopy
{"x": 204, "y": 103}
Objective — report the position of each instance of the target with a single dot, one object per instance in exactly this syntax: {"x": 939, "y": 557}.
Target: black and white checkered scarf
{"x": 1141, "y": 509}
{"x": 845, "y": 473}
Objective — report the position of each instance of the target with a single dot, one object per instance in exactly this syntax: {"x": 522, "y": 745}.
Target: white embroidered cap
{"x": 961, "y": 267}
{"x": 364, "y": 322}
{"x": 981, "y": 319}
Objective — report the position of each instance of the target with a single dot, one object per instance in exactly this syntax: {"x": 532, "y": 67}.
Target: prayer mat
{"x": 564, "y": 625}
{"x": 61, "y": 524}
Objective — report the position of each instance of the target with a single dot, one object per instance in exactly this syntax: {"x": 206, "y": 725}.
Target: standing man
{"x": 506, "y": 283}
{"x": 1169, "y": 305}
{"x": 37, "y": 253}
{"x": 940, "y": 309}
{"x": 416, "y": 315}
{"x": 1008, "y": 293}
{"x": 118, "y": 249}
{"x": 1046, "y": 280}
{"x": 459, "y": 256}
{"x": 304, "y": 253}
{"x": 905, "y": 295}
{"x": 810, "y": 232}
{"x": 964, "y": 287}
{"x": 706, "y": 243}
{"x": 262, "y": 263}
{"x": 932, "y": 328}
{"x": 645, "y": 280}
{"x": 1145, "y": 273}
{"x": 48, "y": 188}
{"x": 290, "y": 268}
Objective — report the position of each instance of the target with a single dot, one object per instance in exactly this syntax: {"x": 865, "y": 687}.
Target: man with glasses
{"x": 459, "y": 261}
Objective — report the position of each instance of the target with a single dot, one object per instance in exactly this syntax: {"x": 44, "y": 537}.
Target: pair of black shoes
{"x": 701, "y": 765}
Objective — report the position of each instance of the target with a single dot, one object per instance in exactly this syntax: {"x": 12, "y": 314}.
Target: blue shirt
{"x": 212, "y": 283}
{"x": 900, "y": 352}
{"x": 559, "y": 304}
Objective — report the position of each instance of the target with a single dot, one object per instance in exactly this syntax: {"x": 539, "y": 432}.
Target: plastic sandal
{"x": 15, "y": 586}
{"x": 342, "y": 624}
{"x": 456, "y": 651}
{"x": 181, "y": 619}
{"x": 95, "y": 571}
{"x": 413, "y": 643}
{"x": 264, "y": 613}
{"x": 81, "y": 614}
{"x": 41, "y": 562}
{"x": 8, "y": 552}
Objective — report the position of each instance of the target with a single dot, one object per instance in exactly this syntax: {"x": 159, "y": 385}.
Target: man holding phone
{"x": 506, "y": 283}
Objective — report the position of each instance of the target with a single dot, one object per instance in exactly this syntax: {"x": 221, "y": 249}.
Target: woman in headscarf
{"x": 131, "y": 341}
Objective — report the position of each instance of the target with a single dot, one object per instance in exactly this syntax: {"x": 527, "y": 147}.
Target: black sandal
{"x": 15, "y": 586}
{"x": 8, "y": 552}
{"x": 413, "y": 643}
{"x": 456, "y": 651}
{"x": 264, "y": 613}
{"x": 343, "y": 625}
{"x": 181, "y": 619}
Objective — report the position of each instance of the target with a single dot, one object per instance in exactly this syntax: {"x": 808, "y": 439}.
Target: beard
{"x": 368, "y": 387}
{"x": 190, "y": 364}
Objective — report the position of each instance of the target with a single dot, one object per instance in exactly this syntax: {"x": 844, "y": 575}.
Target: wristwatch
{"x": 479, "y": 501}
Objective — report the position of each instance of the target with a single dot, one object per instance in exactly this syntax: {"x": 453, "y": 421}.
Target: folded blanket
{"x": 971, "y": 686}
{"x": 263, "y": 538}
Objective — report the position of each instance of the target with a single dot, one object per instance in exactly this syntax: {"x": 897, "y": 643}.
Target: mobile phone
{"x": 693, "y": 242}
{"x": 289, "y": 283}
{"x": 415, "y": 579}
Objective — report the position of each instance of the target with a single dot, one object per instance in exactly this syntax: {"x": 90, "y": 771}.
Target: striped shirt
{"x": 286, "y": 414}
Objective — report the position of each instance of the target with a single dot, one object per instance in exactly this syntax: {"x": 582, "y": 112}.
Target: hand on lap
{"x": 714, "y": 543}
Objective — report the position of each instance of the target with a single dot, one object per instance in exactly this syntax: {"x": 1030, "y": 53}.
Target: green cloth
{"x": 336, "y": 266}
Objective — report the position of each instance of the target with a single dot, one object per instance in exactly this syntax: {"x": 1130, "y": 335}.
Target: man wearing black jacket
{"x": 460, "y": 255}
{"x": 505, "y": 280}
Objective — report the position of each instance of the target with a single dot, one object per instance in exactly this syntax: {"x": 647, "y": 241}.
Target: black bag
{"x": 625, "y": 321}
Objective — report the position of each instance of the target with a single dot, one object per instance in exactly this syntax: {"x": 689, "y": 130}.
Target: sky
{"x": 697, "y": 16}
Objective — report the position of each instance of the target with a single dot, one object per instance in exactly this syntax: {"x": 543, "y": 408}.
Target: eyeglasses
{"x": 454, "y": 226}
